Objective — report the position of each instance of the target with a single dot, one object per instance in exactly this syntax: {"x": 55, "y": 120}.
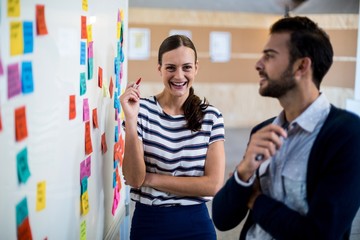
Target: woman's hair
{"x": 307, "y": 39}
{"x": 193, "y": 106}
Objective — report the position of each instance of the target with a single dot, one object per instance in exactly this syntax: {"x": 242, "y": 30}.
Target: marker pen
{"x": 137, "y": 84}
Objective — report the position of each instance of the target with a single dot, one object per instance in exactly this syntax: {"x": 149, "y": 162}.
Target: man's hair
{"x": 307, "y": 39}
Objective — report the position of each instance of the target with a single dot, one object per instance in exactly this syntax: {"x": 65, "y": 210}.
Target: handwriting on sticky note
{"x": 103, "y": 143}
{"x": 21, "y": 211}
{"x": 85, "y": 5}
{"x": 90, "y": 68}
{"x": 88, "y": 143}
{"x": 72, "y": 107}
{"x": 89, "y": 33}
{"x": 95, "y": 118}
{"x": 20, "y": 124}
{"x": 82, "y": 53}
{"x": 13, "y": 77}
{"x": 22, "y": 166}
{"x": 111, "y": 87}
{"x": 82, "y": 84}
{"x": 28, "y": 37}
{"x": 13, "y": 9}
{"x": 41, "y": 28}
{"x": 83, "y": 230}
{"x": 84, "y": 185}
{"x": 83, "y": 28}
{"x": 84, "y": 203}
{"x": 100, "y": 77}
{"x": 27, "y": 82}
{"x": 16, "y": 38}
{"x": 41, "y": 196}
{"x": 86, "y": 110}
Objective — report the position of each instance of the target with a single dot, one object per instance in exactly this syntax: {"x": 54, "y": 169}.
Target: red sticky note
{"x": 41, "y": 28}
{"x": 20, "y": 124}
{"x": 83, "y": 28}
{"x": 100, "y": 77}
{"x": 95, "y": 118}
{"x": 24, "y": 230}
{"x": 111, "y": 87}
{"x": 88, "y": 144}
{"x": 72, "y": 107}
{"x": 103, "y": 143}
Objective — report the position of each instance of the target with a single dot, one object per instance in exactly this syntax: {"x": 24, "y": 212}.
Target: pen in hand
{"x": 137, "y": 84}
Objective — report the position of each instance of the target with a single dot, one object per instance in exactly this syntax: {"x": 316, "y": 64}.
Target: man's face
{"x": 274, "y": 68}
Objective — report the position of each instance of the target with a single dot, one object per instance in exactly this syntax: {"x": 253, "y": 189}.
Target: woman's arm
{"x": 206, "y": 185}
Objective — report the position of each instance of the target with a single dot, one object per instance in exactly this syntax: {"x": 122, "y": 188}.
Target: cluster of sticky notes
{"x": 85, "y": 173}
{"x": 20, "y": 83}
{"x": 22, "y": 220}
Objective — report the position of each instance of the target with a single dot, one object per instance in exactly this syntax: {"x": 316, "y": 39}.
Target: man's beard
{"x": 277, "y": 88}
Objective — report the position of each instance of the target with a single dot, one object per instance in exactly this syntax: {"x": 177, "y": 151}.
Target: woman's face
{"x": 178, "y": 71}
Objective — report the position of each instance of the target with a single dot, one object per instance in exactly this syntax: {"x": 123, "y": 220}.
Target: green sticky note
{"x": 22, "y": 166}
{"x": 21, "y": 211}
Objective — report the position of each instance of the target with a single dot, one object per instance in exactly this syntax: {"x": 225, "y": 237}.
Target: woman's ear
{"x": 159, "y": 69}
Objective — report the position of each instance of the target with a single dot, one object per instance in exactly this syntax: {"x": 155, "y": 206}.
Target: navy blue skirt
{"x": 170, "y": 223}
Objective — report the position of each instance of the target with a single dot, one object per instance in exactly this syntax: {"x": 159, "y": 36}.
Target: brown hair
{"x": 193, "y": 106}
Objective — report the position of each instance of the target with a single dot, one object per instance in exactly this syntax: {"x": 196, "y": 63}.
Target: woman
{"x": 174, "y": 150}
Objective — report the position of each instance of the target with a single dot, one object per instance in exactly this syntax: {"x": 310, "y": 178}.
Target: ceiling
{"x": 256, "y": 6}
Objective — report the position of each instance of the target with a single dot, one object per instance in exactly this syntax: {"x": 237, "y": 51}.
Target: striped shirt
{"x": 172, "y": 149}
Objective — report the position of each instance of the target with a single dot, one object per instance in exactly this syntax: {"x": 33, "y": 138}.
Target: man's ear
{"x": 302, "y": 66}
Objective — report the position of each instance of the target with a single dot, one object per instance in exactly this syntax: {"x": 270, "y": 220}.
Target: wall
{"x": 50, "y": 189}
{"x": 232, "y": 86}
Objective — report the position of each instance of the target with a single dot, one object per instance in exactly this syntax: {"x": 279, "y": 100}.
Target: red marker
{"x": 137, "y": 84}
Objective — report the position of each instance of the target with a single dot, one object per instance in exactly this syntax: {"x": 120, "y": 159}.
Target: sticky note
{"x": 22, "y": 166}
{"x": 16, "y": 38}
{"x": 21, "y": 211}
{"x": 118, "y": 27}
{"x": 100, "y": 77}
{"x": 82, "y": 84}
{"x": 13, "y": 9}
{"x": 28, "y": 36}
{"x": 72, "y": 107}
{"x": 83, "y": 230}
{"x": 14, "y": 82}
{"x": 86, "y": 110}
{"x": 85, "y": 5}
{"x": 116, "y": 134}
{"x": 20, "y": 124}
{"x": 95, "y": 118}
{"x": 88, "y": 166}
{"x": 27, "y": 82}
{"x": 24, "y": 230}
{"x": 91, "y": 49}
{"x": 83, "y": 28}
{"x": 1, "y": 67}
{"x": 88, "y": 143}
{"x": 41, "y": 28}
{"x": 84, "y": 203}
{"x": 82, "y": 53}
{"x": 111, "y": 87}
{"x": 90, "y": 68}
{"x": 41, "y": 196}
{"x": 89, "y": 33}
{"x": 103, "y": 143}
{"x": 105, "y": 89}
{"x": 84, "y": 185}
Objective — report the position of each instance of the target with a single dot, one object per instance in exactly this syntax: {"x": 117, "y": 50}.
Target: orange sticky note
{"x": 72, "y": 107}
{"x": 20, "y": 124}
{"x": 88, "y": 144}
{"x": 83, "y": 28}
{"x": 41, "y": 28}
{"x": 95, "y": 118}
{"x": 111, "y": 87}
{"x": 24, "y": 230}
{"x": 100, "y": 77}
{"x": 16, "y": 38}
{"x": 103, "y": 143}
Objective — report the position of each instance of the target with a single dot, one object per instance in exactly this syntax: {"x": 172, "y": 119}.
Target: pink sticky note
{"x": 90, "y": 50}
{"x": 1, "y": 68}
{"x": 14, "y": 82}
{"x": 86, "y": 113}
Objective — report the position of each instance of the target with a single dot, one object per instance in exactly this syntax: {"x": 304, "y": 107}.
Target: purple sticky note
{"x": 86, "y": 111}
{"x": 13, "y": 77}
{"x": 90, "y": 50}
{"x": 1, "y": 68}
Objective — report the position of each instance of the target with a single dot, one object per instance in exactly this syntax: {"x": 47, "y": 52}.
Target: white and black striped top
{"x": 172, "y": 149}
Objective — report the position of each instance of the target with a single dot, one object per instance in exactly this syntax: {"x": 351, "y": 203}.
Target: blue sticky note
{"x": 28, "y": 35}
{"x": 116, "y": 134}
{"x": 116, "y": 65}
{"x": 22, "y": 166}
{"x": 82, "y": 53}
{"x": 82, "y": 84}
{"x": 21, "y": 211}
{"x": 116, "y": 163}
{"x": 116, "y": 100}
{"x": 84, "y": 185}
{"x": 90, "y": 68}
{"x": 114, "y": 179}
{"x": 27, "y": 82}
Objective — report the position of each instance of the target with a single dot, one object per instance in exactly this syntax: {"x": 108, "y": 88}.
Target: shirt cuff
{"x": 242, "y": 183}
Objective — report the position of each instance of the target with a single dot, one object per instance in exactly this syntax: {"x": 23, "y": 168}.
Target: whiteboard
{"x": 54, "y": 145}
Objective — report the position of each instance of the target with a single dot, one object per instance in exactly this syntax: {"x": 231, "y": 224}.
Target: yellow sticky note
{"x": 83, "y": 230}
{"x": 16, "y": 38}
{"x": 13, "y": 8}
{"x": 89, "y": 33}
{"x": 85, "y": 203}
{"x": 85, "y": 5}
{"x": 118, "y": 28}
{"x": 41, "y": 196}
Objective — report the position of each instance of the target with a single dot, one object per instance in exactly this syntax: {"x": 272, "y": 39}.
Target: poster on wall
{"x": 180, "y": 32}
{"x": 139, "y": 44}
{"x": 220, "y": 46}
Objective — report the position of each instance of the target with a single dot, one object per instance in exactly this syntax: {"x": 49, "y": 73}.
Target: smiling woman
{"x": 174, "y": 157}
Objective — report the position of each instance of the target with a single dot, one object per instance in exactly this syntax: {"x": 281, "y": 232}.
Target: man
{"x": 300, "y": 175}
